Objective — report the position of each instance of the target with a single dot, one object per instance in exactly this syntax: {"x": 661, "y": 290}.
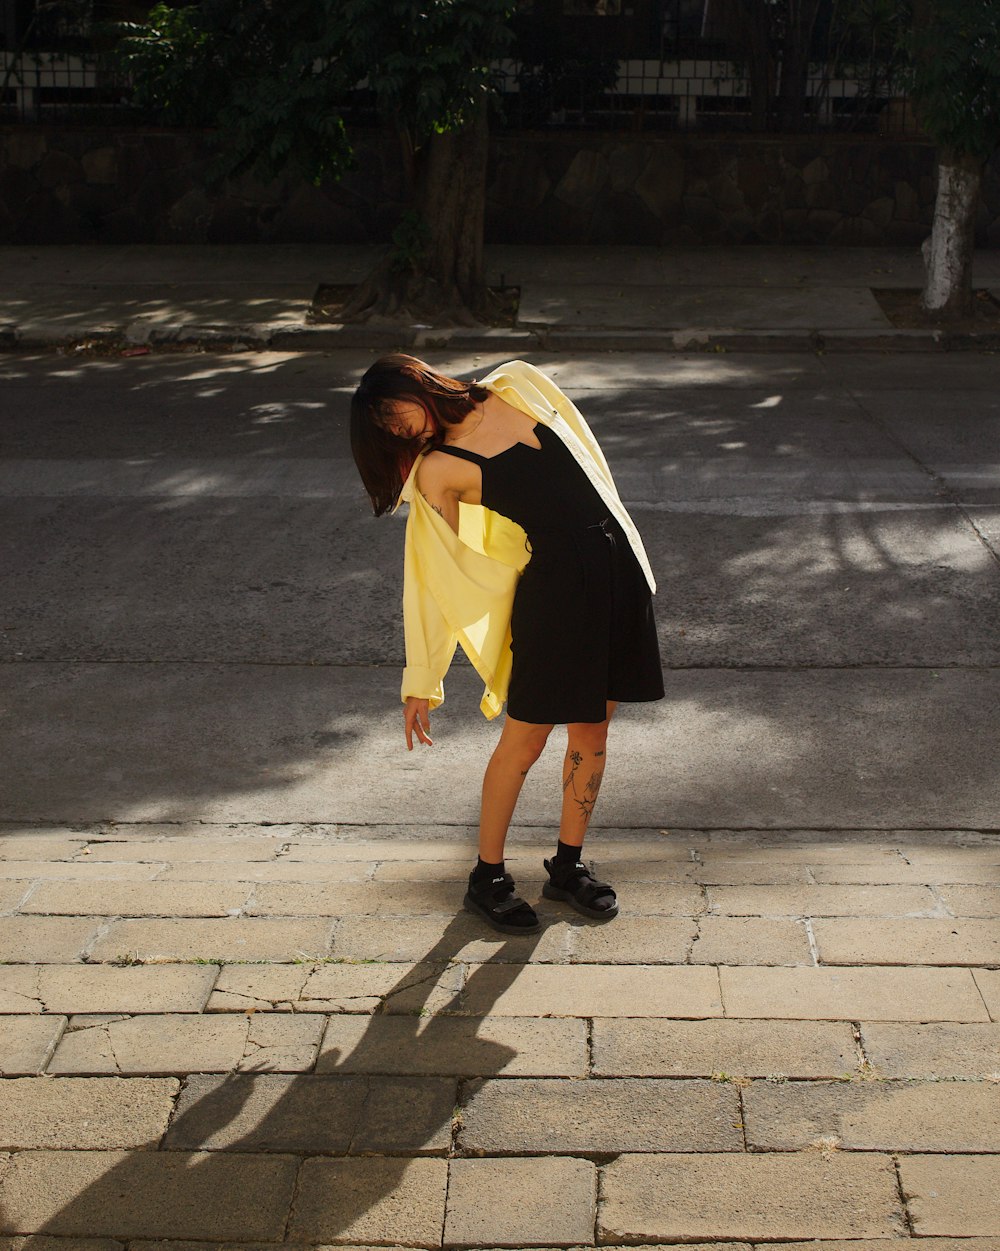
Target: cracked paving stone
{"x": 27, "y": 1042}
{"x": 185, "y": 1044}
{"x": 357, "y": 988}
{"x": 88, "y": 988}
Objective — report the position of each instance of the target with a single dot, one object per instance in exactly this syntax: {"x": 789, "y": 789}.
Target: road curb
{"x": 302, "y": 337}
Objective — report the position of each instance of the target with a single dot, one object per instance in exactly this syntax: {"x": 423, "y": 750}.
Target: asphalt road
{"x": 200, "y": 618}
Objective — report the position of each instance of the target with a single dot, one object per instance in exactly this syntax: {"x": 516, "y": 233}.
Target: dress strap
{"x": 461, "y": 452}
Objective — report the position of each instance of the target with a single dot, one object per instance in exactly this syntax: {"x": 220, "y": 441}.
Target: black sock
{"x": 568, "y": 854}
{"x": 484, "y": 870}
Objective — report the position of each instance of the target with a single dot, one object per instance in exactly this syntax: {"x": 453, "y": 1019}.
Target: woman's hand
{"x": 416, "y": 716}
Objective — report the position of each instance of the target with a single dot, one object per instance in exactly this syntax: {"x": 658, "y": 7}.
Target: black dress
{"x": 582, "y": 622}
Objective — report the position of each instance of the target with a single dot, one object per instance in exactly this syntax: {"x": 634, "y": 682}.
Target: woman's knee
{"x": 589, "y": 738}
{"x": 524, "y": 744}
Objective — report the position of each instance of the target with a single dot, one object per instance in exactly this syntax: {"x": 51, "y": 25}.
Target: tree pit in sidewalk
{"x": 331, "y": 298}
{"x": 901, "y": 306}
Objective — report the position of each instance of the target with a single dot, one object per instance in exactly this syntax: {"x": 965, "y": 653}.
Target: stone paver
{"x": 150, "y": 1194}
{"x": 654, "y": 898}
{"x": 185, "y": 1044}
{"x": 783, "y": 851}
{"x": 555, "y": 1200}
{"x": 359, "y": 988}
{"x": 27, "y": 1042}
{"x": 11, "y": 894}
{"x": 873, "y": 1244}
{"x": 657, "y": 1048}
{"x": 873, "y": 1116}
{"x": 235, "y": 938}
{"x": 43, "y": 846}
{"x": 282, "y": 870}
{"x": 915, "y": 1050}
{"x": 79, "y": 870}
{"x": 809, "y": 1195}
{"x": 43, "y": 1242}
{"x": 378, "y": 1200}
{"x": 821, "y": 901}
{"x": 74, "y": 988}
{"x": 633, "y": 940}
{"x": 560, "y": 1116}
{"x": 903, "y": 874}
{"x": 356, "y": 899}
{"x": 751, "y": 940}
{"x": 46, "y": 940}
{"x": 310, "y": 1113}
{"x": 522, "y": 868}
{"x": 958, "y": 1195}
{"x": 386, "y": 849}
{"x": 952, "y": 857}
{"x": 725, "y": 872}
{"x": 200, "y": 847}
{"x": 84, "y": 1112}
{"x": 876, "y": 994}
{"x": 988, "y": 985}
{"x": 478, "y": 1047}
{"x": 137, "y": 899}
{"x": 584, "y": 990}
{"x": 444, "y": 937}
{"x": 931, "y": 942}
{"x": 971, "y": 901}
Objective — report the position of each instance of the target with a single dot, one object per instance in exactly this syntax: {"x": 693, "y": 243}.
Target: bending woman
{"x": 519, "y": 549}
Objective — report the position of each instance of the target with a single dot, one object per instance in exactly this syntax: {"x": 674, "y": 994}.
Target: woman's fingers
{"x": 417, "y": 718}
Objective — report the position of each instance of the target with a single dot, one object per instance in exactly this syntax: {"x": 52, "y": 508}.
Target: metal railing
{"x": 646, "y": 95}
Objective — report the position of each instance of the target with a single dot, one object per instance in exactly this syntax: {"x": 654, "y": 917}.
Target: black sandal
{"x": 575, "y": 884}
{"x": 496, "y": 901}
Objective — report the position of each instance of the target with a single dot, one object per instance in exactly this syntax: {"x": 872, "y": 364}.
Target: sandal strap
{"x": 497, "y": 896}
{"x": 577, "y": 878}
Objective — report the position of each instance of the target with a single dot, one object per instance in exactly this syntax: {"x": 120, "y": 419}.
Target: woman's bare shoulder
{"x": 439, "y": 471}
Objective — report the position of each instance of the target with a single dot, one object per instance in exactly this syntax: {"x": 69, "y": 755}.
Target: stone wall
{"x": 129, "y": 186}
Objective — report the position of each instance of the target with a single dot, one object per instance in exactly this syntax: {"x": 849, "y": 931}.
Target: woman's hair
{"x": 385, "y": 459}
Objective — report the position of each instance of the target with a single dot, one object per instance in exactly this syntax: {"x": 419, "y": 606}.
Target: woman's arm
{"x": 437, "y": 483}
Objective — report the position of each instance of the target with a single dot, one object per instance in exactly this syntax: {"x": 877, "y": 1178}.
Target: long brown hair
{"x": 385, "y": 459}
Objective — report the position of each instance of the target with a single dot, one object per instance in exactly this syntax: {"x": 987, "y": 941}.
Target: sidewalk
{"x": 572, "y": 299}
{"x": 286, "y": 1036}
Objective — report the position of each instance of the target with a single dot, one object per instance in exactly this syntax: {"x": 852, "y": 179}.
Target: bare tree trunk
{"x": 437, "y": 275}
{"x": 795, "y": 62}
{"x": 754, "y": 26}
{"x": 949, "y": 249}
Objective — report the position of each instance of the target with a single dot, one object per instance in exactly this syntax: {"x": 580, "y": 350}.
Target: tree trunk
{"x": 754, "y": 26}
{"x": 801, "y": 19}
{"x": 949, "y": 249}
{"x": 434, "y": 274}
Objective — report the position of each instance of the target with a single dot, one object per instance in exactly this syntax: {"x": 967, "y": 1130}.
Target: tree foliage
{"x": 274, "y": 76}
{"x": 955, "y": 74}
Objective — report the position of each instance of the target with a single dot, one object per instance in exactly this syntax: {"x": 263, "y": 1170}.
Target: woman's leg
{"x": 583, "y": 771}
{"x": 520, "y": 745}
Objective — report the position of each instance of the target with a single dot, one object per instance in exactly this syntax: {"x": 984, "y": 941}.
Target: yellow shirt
{"x": 459, "y": 588}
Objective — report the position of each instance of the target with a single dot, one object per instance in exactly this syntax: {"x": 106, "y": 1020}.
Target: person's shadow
{"x": 350, "y": 1110}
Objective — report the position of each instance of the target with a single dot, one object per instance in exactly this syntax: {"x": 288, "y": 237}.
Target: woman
{"x": 517, "y": 547}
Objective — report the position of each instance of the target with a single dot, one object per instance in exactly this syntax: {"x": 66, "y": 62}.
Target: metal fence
{"x": 73, "y": 88}
{"x": 589, "y": 90}
{"x": 692, "y": 95}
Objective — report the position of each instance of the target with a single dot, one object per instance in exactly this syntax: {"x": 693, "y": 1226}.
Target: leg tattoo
{"x": 585, "y": 803}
